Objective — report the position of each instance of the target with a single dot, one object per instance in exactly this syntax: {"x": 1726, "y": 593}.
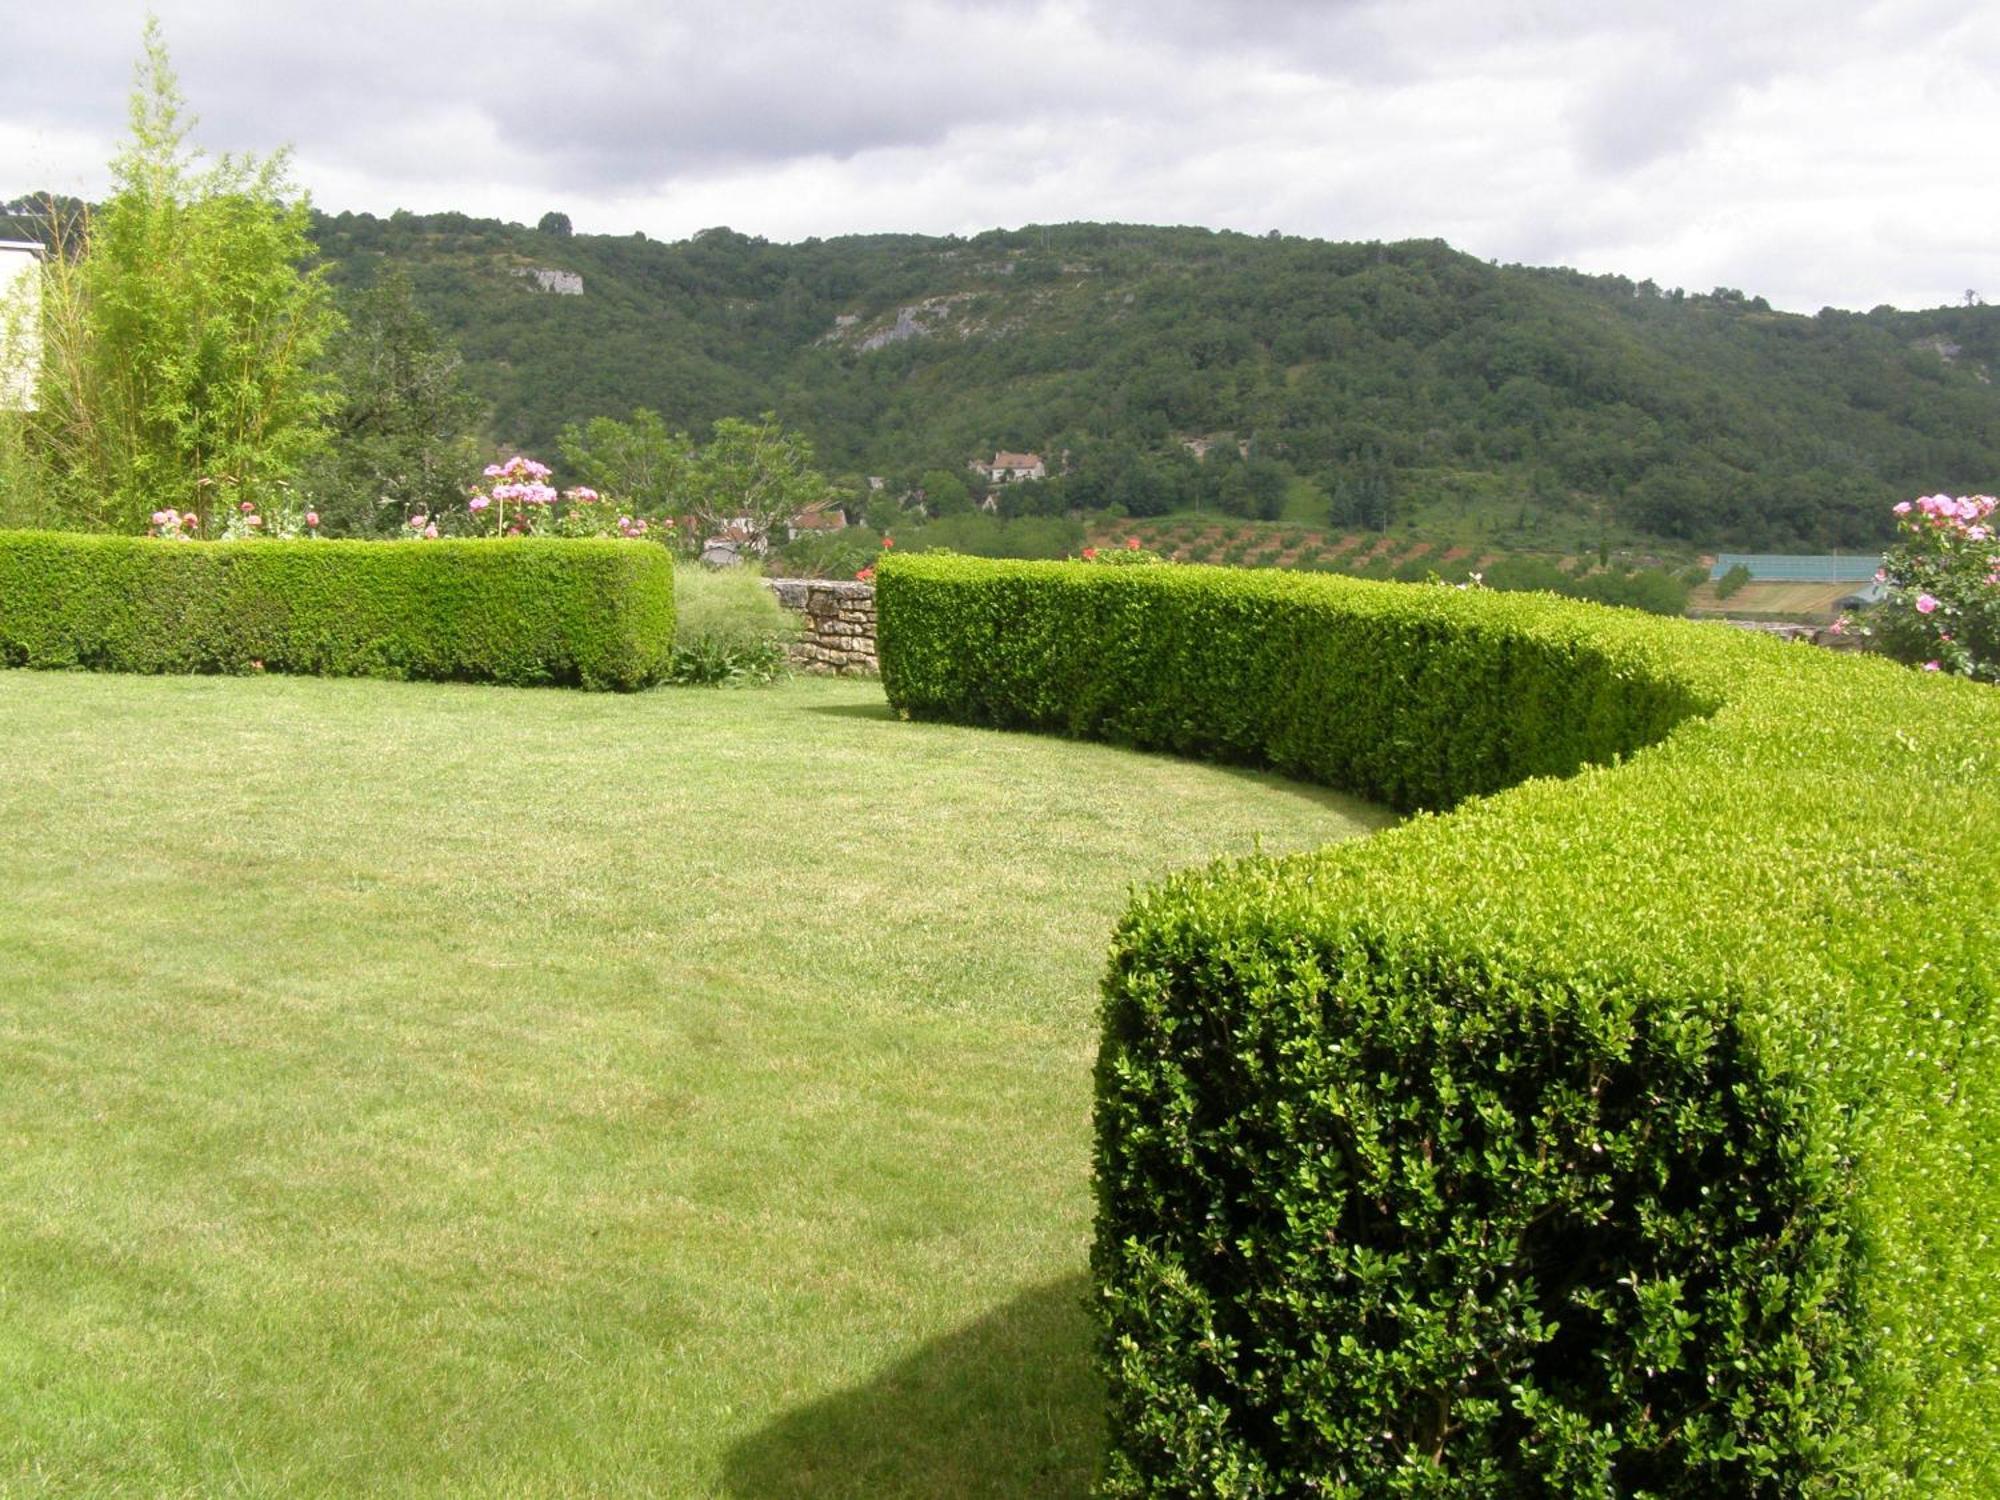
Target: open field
{"x": 440, "y": 1090}
{"x": 1820, "y": 599}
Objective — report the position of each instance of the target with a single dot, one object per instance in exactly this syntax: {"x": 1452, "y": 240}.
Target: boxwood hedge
{"x": 595, "y": 614}
{"x": 1623, "y": 1122}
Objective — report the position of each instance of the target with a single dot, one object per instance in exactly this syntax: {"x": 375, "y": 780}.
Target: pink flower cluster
{"x": 631, "y": 526}
{"x": 522, "y": 482}
{"x": 523, "y": 494}
{"x": 173, "y": 524}
{"x": 1965, "y": 514}
{"x": 516, "y": 468}
{"x": 1943, "y": 582}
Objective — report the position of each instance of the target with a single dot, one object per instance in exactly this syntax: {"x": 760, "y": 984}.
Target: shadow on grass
{"x": 1367, "y": 816}
{"x": 1008, "y": 1406}
{"x": 878, "y": 711}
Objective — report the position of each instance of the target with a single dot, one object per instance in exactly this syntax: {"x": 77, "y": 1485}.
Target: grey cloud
{"x": 1536, "y": 129}
{"x": 616, "y": 99}
{"x": 1647, "y": 112}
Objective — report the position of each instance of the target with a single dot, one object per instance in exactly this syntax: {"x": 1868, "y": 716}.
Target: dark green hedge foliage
{"x": 523, "y": 611}
{"x": 1630, "y": 1133}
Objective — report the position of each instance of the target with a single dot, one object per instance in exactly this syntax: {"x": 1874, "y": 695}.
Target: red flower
{"x": 1131, "y": 544}
{"x": 888, "y": 542}
{"x": 865, "y": 575}
{"x": 1089, "y": 553}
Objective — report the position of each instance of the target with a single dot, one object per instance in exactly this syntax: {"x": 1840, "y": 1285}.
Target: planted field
{"x": 432, "y": 1089}
{"x": 1258, "y": 544}
{"x": 1777, "y": 598}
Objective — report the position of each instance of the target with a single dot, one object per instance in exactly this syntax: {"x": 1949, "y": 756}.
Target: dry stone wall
{"x": 839, "y": 634}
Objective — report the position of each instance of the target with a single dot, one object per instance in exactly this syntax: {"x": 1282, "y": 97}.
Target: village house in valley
{"x": 827, "y": 515}
{"x": 1007, "y": 467}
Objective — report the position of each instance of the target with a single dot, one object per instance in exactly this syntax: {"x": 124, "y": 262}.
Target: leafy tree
{"x": 182, "y": 364}
{"x": 882, "y": 512}
{"x": 638, "y": 462}
{"x": 945, "y": 494}
{"x": 556, "y": 224}
{"x": 1732, "y": 581}
{"x": 403, "y": 431}
{"x": 755, "y": 474}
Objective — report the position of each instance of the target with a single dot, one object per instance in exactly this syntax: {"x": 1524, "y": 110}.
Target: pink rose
{"x": 246, "y": 507}
{"x": 1925, "y": 604}
{"x": 1931, "y": 666}
{"x": 312, "y": 518}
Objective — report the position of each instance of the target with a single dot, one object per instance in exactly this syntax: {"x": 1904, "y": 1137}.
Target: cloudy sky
{"x": 1813, "y": 151}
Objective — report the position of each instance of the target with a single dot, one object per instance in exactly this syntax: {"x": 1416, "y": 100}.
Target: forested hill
{"x": 1393, "y": 382}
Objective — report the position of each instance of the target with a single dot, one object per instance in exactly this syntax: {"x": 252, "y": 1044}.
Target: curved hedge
{"x": 595, "y": 614}
{"x": 1633, "y": 1132}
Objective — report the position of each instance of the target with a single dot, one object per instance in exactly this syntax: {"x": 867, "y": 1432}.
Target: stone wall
{"x": 839, "y": 634}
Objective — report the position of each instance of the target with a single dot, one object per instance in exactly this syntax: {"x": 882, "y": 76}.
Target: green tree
{"x": 638, "y": 462}
{"x": 184, "y": 368}
{"x": 754, "y": 474}
{"x": 403, "y": 433}
{"x": 556, "y": 224}
{"x": 945, "y": 493}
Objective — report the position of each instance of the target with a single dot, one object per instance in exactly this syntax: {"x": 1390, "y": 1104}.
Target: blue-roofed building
{"x": 1800, "y": 567}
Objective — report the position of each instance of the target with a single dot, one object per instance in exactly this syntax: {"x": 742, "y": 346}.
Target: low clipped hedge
{"x": 1629, "y": 1127}
{"x": 594, "y": 614}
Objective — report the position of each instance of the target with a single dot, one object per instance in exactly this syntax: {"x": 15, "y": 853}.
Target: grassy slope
{"x": 454, "y": 1090}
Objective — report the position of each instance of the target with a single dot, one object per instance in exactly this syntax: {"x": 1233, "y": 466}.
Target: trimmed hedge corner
{"x": 594, "y": 614}
{"x": 1635, "y": 1132}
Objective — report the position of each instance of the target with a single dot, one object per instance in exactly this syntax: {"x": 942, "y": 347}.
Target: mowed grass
{"x": 413, "y": 1089}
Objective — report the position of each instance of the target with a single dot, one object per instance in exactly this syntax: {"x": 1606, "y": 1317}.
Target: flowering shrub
{"x": 517, "y": 499}
{"x": 240, "y": 524}
{"x": 867, "y": 574}
{"x": 1943, "y": 577}
{"x": 1122, "y": 557}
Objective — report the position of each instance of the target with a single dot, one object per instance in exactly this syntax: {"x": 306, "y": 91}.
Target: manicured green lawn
{"x": 435, "y": 1090}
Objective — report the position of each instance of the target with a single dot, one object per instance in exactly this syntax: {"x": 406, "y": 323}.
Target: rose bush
{"x": 241, "y": 523}
{"x": 1942, "y": 610}
{"x": 1132, "y": 553}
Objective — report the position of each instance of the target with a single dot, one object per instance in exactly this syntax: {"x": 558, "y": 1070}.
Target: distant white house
{"x": 1007, "y": 467}
{"x": 20, "y": 323}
